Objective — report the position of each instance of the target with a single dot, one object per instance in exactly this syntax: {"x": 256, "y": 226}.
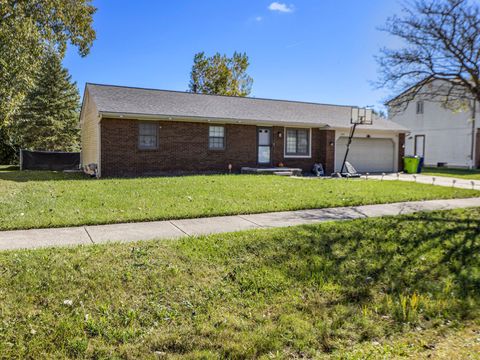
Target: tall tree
{"x": 441, "y": 46}
{"x": 48, "y": 118}
{"x": 28, "y": 29}
{"x": 220, "y": 75}
{"x": 8, "y": 151}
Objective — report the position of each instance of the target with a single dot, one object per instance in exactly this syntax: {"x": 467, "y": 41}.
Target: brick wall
{"x": 322, "y": 151}
{"x": 183, "y": 148}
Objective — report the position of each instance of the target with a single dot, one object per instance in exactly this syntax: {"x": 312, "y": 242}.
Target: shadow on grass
{"x": 432, "y": 254}
{"x": 31, "y": 175}
{"x": 9, "y": 168}
{"x": 360, "y": 279}
{"x": 321, "y": 287}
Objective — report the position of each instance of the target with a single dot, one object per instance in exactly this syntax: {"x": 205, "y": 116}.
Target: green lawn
{"x": 47, "y": 199}
{"x": 372, "y": 288}
{"x": 457, "y": 342}
{"x": 457, "y": 173}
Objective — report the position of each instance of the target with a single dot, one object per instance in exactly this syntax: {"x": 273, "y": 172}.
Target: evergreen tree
{"x": 48, "y": 118}
{"x": 8, "y": 151}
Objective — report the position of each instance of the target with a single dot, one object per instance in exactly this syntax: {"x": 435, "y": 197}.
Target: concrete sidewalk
{"x": 428, "y": 179}
{"x": 86, "y": 235}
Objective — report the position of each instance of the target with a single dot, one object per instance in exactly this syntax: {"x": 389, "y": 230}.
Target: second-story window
{"x": 419, "y": 107}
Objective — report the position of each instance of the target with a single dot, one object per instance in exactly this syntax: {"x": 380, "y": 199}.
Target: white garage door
{"x": 366, "y": 154}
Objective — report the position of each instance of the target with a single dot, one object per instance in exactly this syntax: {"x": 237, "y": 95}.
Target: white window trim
{"x": 157, "y": 137}
{"x": 224, "y": 137}
{"x": 285, "y": 143}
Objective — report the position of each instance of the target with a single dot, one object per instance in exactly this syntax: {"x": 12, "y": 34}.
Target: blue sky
{"x": 308, "y": 50}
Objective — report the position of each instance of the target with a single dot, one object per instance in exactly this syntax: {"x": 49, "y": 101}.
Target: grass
{"x": 372, "y": 288}
{"x": 48, "y": 199}
{"x": 445, "y": 343}
{"x": 458, "y": 173}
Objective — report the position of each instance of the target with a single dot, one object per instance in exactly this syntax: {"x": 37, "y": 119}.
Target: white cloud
{"x": 258, "y": 18}
{"x": 280, "y": 7}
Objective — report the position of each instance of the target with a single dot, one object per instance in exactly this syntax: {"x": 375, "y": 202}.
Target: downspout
{"x": 474, "y": 135}
{"x": 99, "y": 147}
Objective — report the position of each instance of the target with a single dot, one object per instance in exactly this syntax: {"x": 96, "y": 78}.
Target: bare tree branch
{"x": 441, "y": 46}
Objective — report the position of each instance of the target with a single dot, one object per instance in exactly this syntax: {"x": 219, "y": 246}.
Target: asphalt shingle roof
{"x": 139, "y": 101}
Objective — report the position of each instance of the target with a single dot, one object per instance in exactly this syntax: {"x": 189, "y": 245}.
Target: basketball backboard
{"x": 362, "y": 116}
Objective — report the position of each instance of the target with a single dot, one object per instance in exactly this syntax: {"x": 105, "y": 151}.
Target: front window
{"x": 216, "y": 138}
{"x": 297, "y": 142}
{"x": 147, "y": 136}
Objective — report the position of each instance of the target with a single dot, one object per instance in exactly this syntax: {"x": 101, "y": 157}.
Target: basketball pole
{"x": 350, "y": 137}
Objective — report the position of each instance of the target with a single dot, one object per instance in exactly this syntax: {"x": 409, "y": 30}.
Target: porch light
{"x": 280, "y": 134}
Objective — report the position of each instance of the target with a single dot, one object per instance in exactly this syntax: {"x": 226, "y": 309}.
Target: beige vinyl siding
{"x": 90, "y": 132}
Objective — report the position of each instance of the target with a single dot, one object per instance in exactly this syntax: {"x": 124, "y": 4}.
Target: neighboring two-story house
{"x": 444, "y": 137}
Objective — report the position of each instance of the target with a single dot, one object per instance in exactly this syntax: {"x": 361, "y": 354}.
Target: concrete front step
{"x": 283, "y": 173}
{"x": 271, "y": 171}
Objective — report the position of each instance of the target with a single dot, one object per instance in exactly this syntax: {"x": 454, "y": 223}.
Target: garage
{"x": 367, "y": 154}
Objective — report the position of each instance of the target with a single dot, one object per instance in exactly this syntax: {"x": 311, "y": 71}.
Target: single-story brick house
{"x": 136, "y": 132}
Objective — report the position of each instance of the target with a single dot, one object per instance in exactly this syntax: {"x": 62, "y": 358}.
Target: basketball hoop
{"x": 361, "y": 116}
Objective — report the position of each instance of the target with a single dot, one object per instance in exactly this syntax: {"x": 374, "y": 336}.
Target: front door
{"x": 420, "y": 145}
{"x": 264, "y": 146}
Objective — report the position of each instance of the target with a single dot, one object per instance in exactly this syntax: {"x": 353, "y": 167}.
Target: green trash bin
{"x": 410, "y": 164}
